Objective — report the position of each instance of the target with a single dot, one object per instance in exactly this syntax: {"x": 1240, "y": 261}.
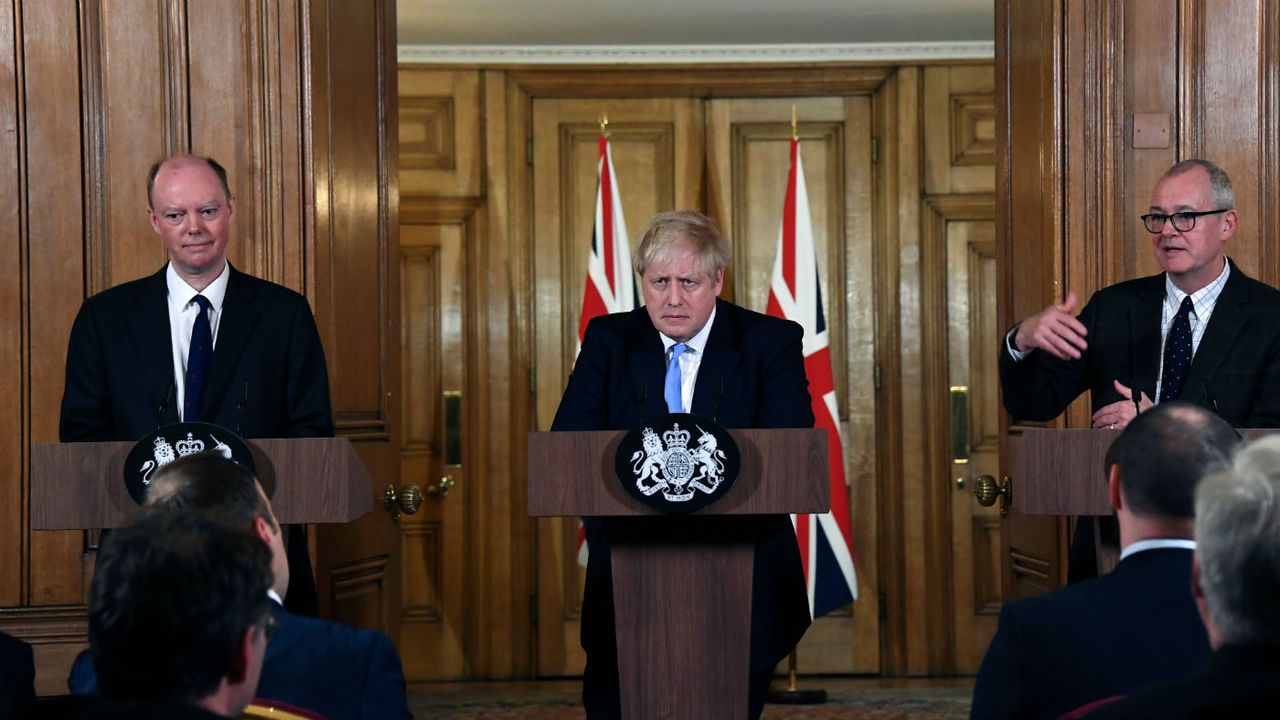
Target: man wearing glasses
{"x": 1201, "y": 331}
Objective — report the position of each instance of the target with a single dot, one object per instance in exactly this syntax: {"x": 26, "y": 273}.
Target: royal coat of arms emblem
{"x": 657, "y": 465}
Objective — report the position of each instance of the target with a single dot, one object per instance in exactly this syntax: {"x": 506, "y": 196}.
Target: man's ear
{"x": 1113, "y": 488}
{"x": 262, "y": 527}
{"x": 243, "y": 657}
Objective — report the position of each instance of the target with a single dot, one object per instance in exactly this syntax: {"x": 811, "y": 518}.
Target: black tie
{"x": 1177, "y": 353}
{"x": 197, "y": 362}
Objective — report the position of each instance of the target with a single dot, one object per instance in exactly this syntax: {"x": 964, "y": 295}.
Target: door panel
{"x": 972, "y": 334}
{"x": 433, "y": 539}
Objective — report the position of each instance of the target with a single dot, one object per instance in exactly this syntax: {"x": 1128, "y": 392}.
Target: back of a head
{"x": 1238, "y": 545}
{"x": 211, "y": 485}
{"x": 171, "y": 600}
{"x": 1165, "y": 452}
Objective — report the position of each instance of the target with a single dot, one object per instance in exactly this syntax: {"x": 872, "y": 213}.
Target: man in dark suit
{"x": 339, "y": 671}
{"x": 1236, "y": 582}
{"x": 17, "y": 675}
{"x": 179, "y": 621}
{"x": 134, "y": 361}
{"x": 688, "y": 351}
{"x": 1136, "y": 625}
{"x": 1201, "y": 331}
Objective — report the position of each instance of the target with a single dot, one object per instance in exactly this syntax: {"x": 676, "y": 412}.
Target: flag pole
{"x": 604, "y": 124}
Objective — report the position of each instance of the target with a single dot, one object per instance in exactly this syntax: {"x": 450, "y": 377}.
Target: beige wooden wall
{"x": 496, "y": 186}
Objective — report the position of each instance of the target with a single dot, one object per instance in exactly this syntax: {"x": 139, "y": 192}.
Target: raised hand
{"x": 1054, "y": 330}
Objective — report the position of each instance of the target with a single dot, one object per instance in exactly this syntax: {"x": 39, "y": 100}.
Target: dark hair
{"x": 209, "y": 484}
{"x": 214, "y": 165}
{"x": 170, "y": 602}
{"x": 1165, "y": 452}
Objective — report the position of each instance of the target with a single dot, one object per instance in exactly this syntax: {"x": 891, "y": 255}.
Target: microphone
{"x": 715, "y": 403}
{"x": 164, "y": 404}
{"x": 241, "y": 405}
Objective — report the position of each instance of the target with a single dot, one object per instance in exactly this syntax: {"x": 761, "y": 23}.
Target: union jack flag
{"x": 795, "y": 293}
{"x": 611, "y": 284}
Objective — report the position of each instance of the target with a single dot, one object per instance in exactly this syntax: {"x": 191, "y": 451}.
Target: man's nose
{"x": 675, "y": 297}
{"x": 193, "y": 225}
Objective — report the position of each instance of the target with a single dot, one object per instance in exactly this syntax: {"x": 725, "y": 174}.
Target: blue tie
{"x": 1177, "y": 353}
{"x": 197, "y": 362}
{"x": 671, "y": 387}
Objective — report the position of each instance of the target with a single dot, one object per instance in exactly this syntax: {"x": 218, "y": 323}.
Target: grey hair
{"x": 1238, "y": 544}
{"x": 1223, "y": 195}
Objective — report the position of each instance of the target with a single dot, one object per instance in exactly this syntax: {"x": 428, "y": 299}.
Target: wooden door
{"x": 964, "y": 227}
{"x": 748, "y": 159}
{"x": 434, "y": 539}
{"x": 657, "y": 157}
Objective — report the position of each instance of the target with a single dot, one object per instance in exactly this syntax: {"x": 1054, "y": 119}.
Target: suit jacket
{"x": 751, "y": 375}
{"x": 1235, "y": 371}
{"x": 267, "y": 376}
{"x": 336, "y": 670}
{"x": 1241, "y": 681}
{"x": 1133, "y": 627}
{"x": 17, "y": 675}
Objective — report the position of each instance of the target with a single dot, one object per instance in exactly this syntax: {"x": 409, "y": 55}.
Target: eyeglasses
{"x": 1182, "y": 221}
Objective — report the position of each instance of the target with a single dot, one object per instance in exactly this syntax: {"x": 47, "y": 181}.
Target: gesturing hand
{"x": 1054, "y": 330}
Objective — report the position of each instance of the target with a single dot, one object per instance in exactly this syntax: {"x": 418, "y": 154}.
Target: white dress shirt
{"x": 182, "y": 318}
{"x": 690, "y": 360}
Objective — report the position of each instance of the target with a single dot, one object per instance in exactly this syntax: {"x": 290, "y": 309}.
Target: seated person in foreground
{"x": 178, "y": 622}
{"x": 17, "y": 675}
{"x": 1236, "y": 583}
{"x": 339, "y": 671}
{"x": 1137, "y": 625}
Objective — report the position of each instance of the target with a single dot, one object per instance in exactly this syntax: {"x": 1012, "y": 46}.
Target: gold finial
{"x": 794, "y": 134}
{"x": 604, "y": 123}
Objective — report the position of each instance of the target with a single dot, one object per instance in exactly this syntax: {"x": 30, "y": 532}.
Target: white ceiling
{"x": 555, "y": 23}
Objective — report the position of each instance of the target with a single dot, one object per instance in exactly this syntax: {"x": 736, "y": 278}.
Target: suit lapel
{"x": 240, "y": 313}
{"x": 1144, "y": 329}
{"x": 719, "y": 361}
{"x": 1224, "y": 325}
{"x": 646, "y": 359}
{"x": 152, "y": 338}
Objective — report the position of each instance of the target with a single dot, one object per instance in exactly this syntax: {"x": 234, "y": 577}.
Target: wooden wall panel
{"x": 441, "y": 153}
{"x": 13, "y": 366}
{"x": 56, "y": 268}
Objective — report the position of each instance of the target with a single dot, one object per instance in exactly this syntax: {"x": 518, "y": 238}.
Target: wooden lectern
{"x": 1059, "y": 472}
{"x": 80, "y": 486}
{"x": 682, "y": 605}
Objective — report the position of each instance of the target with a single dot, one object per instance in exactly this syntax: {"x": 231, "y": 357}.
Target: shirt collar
{"x": 271, "y": 593}
{"x": 1173, "y": 294}
{"x": 181, "y": 294}
{"x": 696, "y": 343}
{"x": 1157, "y": 544}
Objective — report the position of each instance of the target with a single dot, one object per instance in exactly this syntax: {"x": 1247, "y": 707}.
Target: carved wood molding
{"x": 47, "y": 625}
{"x": 701, "y": 82}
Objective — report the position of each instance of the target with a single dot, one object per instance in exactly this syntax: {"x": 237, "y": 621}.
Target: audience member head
{"x": 210, "y": 485}
{"x": 1237, "y": 567}
{"x": 681, "y": 260}
{"x": 178, "y": 610}
{"x": 1163, "y": 454}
